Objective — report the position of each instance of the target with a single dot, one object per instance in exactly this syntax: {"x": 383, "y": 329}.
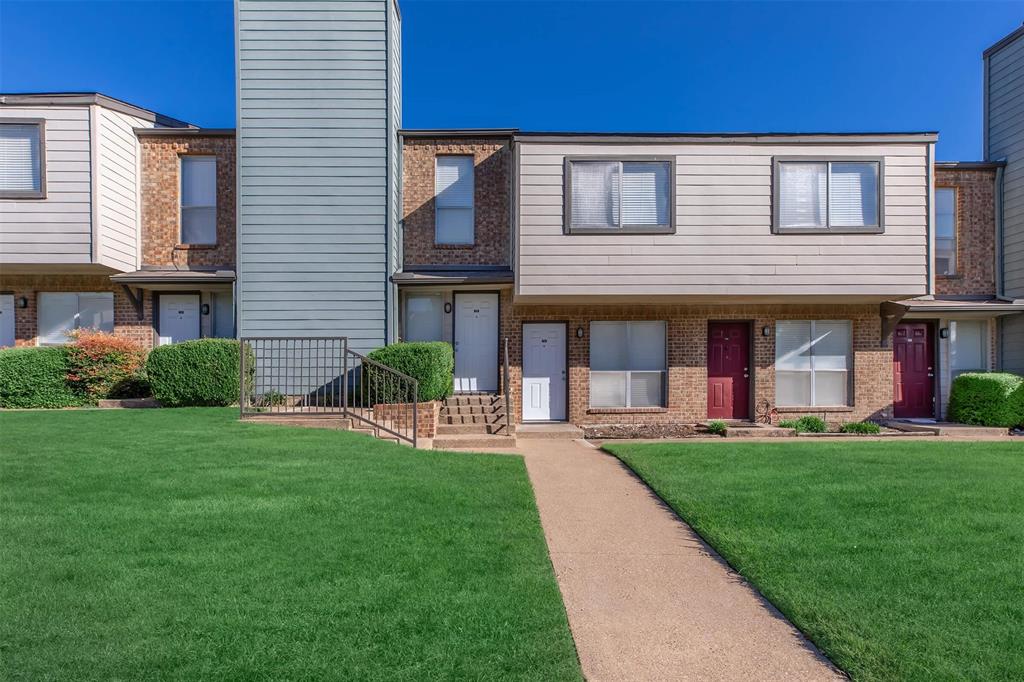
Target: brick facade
{"x": 492, "y": 168}
{"x": 161, "y": 202}
{"x": 126, "y": 320}
{"x": 975, "y": 232}
{"x": 687, "y": 329}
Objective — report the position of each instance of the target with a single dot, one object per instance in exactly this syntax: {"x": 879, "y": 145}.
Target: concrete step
{"x": 473, "y": 441}
{"x": 755, "y": 431}
{"x": 472, "y": 409}
{"x": 947, "y": 429}
{"x": 451, "y": 429}
{"x": 549, "y": 431}
{"x": 337, "y": 423}
{"x": 471, "y": 419}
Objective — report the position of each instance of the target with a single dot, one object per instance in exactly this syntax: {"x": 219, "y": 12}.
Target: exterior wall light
{"x": 944, "y": 333}
{"x": 205, "y": 309}
{"x": 766, "y": 331}
{"x": 579, "y": 332}
{"x": 22, "y": 302}
{"x": 447, "y": 308}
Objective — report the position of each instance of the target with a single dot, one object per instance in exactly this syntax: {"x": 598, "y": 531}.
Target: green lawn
{"x": 901, "y": 560}
{"x": 181, "y": 544}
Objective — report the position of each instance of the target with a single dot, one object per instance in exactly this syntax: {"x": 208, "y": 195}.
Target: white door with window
{"x": 544, "y": 380}
{"x": 6, "y": 320}
{"x": 179, "y": 318}
{"x": 476, "y": 342}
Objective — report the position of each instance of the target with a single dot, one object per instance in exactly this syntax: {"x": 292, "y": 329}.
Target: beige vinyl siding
{"x": 723, "y": 244}
{"x": 1004, "y": 140}
{"x": 57, "y": 229}
{"x": 118, "y": 189}
{"x": 313, "y": 187}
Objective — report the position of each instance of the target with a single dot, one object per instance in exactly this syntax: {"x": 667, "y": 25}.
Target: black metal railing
{"x": 314, "y": 377}
{"x": 505, "y": 384}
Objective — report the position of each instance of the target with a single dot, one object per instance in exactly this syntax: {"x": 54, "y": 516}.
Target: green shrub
{"x": 992, "y": 399}
{"x": 134, "y": 386}
{"x": 863, "y": 428}
{"x": 37, "y": 377}
{"x": 717, "y": 427}
{"x": 807, "y": 424}
{"x": 431, "y": 363}
{"x": 201, "y": 372}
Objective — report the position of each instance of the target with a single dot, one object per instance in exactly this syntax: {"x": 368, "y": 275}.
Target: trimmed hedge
{"x": 37, "y": 377}
{"x": 203, "y": 372}
{"x": 987, "y": 399}
{"x": 431, "y": 363}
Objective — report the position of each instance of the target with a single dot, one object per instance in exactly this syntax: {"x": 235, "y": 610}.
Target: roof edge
{"x": 1003, "y": 42}
{"x": 187, "y": 132}
{"x": 859, "y": 138}
{"x": 970, "y": 165}
{"x": 89, "y": 98}
{"x": 458, "y": 132}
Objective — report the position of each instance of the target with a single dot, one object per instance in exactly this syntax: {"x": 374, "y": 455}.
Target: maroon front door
{"x": 913, "y": 370}
{"x": 728, "y": 370}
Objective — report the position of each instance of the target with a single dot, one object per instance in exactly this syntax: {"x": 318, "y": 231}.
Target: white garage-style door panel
{"x": 6, "y": 320}
{"x": 476, "y": 342}
{"x": 544, "y": 380}
{"x": 179, "y": 318}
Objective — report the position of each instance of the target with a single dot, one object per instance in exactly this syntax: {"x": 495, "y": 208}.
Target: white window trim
{"x": 956, "y": 235}
{"x": 181, "y": 199}
{"x": 813, "y": 370}
{"x": 777, "y": 226}
{"x": 471, "y": 208}
{"x": 30, "y": 194}
{"x": 569, "y": 228}
{"x": 629, "y": 372}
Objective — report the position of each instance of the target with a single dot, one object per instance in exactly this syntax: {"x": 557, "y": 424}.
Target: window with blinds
{"x": 453, "y": 205}
{"x": 627, "y": 364}
{"x": 835, "y": 196}
{"x": 21, "y": 161}
{"x": 812, "y": 363}
{"x": 945, "y": 231}
{"x": 619, "y": 194}
{"x": 198, "y": 200}
{"x": 968, "y": 346}
{"x": 60, "y": 313}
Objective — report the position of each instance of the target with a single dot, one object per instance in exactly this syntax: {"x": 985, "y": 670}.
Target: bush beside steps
{"x": 987, "y": 399}
{"x": 201, "y": 373}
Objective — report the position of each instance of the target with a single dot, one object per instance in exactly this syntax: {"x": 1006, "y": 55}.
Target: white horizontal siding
{"x": 313, "y": 134}
{"x": 57, "y": 229}
{"x": 723, "y": 243}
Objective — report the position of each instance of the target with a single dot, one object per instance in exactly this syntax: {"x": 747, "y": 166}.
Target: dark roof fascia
{"x": 712, "y": 138}
{"x": 1003, "y": 42}
{"x": 438, "y": 277}
{"x": 174, "y": 277}
{"x": 970, "y": 165}
{"x": 89, "y": 98}
{"x": 458, "y": 132}
{"x": 190, "y": 132}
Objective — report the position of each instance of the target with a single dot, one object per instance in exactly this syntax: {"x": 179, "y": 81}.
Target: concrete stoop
{"x": 947, "y": 429}
{"x": 474, "y": 421}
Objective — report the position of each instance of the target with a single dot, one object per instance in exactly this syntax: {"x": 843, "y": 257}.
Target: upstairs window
{"x": 945, "y": 231}
{"x": 453, "y": 189}
{"x": 198, "y": 200}
{"x": 827, "y": 196}
{"x": 623, "y": 195}
{"x": 22, "y": 170}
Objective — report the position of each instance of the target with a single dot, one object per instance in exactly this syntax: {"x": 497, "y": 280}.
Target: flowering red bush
{"x": 99, "y": 363}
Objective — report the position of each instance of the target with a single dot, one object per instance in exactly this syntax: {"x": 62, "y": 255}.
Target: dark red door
{"x": 728, "y": 370}
{"x": 913, "y": 363}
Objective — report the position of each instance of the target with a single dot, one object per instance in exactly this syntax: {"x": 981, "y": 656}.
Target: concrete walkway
{"x": 646, "y": 598}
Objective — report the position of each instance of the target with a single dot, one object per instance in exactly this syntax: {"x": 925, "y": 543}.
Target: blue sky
{"x": 608, "y": 66}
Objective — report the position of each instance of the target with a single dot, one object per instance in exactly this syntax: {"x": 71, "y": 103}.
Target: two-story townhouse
{"x": 667, "y": 279}
{"x": 1004, "y": 142}
{"x": 105, "y": 219}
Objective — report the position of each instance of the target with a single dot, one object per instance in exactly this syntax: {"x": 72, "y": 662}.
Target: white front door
{"x": 476, "y": 342}
{"x": 6, "y": 320}
{"x": 179, "y": 317}
{"x": 544, "y": 381}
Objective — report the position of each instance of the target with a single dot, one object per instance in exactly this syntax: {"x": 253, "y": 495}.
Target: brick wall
{"x": 492, "y": 160}
{"x": 161, "y": 203}
{"x": 126, "y": 321}
{"x": 975, "y": 256}
{"x": 687, "y": 328}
